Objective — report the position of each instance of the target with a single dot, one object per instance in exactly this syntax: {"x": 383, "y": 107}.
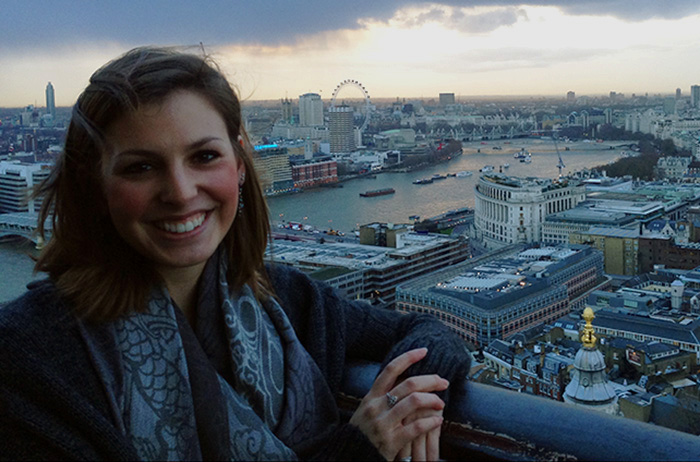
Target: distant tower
{"x": 589, "y": 386}
{"x": 447, "y": 98}
{"x": 570, "y": 97}
{"x": 695, "y": 95}
{"x": 342, "y": 128}
{"x": 287, "y": 114}
{"x": 678, "y": 93}
{"x": 310, "y": 110}
{"x": 50, "y": 101}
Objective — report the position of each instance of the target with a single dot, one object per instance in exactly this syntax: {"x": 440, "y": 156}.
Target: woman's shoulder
{"x": 39, "y": 312}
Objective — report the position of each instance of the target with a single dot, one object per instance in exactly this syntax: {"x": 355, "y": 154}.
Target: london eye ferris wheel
{"x": 367, "y": 104}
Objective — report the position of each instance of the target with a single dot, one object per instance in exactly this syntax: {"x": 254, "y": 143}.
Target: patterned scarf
{"x": 238, "y": 386}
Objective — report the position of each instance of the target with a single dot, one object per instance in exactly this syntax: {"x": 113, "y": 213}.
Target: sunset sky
{"x": 273, "y": 49}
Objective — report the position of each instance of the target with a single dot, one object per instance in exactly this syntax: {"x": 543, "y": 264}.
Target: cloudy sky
{"x": 273, "y": 49}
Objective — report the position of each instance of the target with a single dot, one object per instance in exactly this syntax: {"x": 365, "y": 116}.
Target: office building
{"x": 506, "y": 292}
{"x": 310, "y": 110}
{"x": 273, "y": 168}
{"x": 557, "y": 227}
{"x": 570, "y": 97}
{"x": 371, "y": 272}
{"x": 511, "y": 210}
{"x": 50, "y": 100}
{"x": 341, "y": 125}
{"x": 695, "y": 95}
{"x": 620, "y": 247}
{"x": 17, "y": 179}
{"x": 644, "y": 327}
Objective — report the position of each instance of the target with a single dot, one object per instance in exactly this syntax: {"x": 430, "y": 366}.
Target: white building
{"x": 511, "y": 210}
{"x": 17, "y": 179}
{"x": 310, "y": 110}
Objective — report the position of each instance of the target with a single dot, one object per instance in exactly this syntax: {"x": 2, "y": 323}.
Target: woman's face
{"x": 171, "y": 180}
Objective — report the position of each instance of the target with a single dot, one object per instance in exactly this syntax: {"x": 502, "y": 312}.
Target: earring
{"x": 241, "y": 181}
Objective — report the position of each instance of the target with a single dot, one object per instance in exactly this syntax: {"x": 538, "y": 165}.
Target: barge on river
{"x": 378, "y": 192}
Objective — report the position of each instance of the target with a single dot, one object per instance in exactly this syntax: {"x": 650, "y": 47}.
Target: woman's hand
{"x": 391, "y": 426}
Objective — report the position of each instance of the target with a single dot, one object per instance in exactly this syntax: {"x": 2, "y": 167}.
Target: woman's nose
{"x": 179, "y": 186}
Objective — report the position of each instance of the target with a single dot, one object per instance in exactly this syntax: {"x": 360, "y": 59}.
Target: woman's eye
{"x": 204, "y": 157}
{"x": 136, "y": 168}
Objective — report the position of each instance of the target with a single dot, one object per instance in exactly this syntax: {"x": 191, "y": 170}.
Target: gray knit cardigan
{"x": 53, "y": 406}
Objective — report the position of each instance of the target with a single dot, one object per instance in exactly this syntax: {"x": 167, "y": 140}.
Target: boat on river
{"x": 378, "y": 192}
{"x": 463, "y": 174}
{"x": 522, "y": 154}
{"x": 423, "y": 181}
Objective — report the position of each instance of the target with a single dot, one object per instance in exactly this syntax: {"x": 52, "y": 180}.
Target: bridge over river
{"x": 21, "y": 224}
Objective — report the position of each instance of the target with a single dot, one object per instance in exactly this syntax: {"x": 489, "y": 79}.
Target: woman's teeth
{"x": 183, "y": 227}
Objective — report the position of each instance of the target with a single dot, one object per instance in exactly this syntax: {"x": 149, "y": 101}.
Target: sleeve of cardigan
{"x": 335, "y": 329}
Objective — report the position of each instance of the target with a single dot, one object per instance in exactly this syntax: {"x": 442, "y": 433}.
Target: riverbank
{"x": 533, "y": 145}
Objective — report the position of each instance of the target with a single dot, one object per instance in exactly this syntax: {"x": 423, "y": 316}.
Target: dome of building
{"x": 589, "y": 385}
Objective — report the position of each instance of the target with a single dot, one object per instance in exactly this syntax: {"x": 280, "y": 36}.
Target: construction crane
{"x": 560, "y": 164}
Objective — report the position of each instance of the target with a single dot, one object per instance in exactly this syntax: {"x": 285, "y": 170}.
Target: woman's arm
{"x": 334, "y": 329}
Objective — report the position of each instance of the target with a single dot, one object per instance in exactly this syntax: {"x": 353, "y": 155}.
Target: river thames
{"x": 343, "y": 208}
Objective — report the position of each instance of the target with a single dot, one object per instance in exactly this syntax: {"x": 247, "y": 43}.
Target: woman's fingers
{"x": 420, "y": 426}
{"x": 418, "y": 445}
{"x": 416, "y": 404}
{"x": 425, "y": 446}
{"x": 419, "y": 383}
{"x": 432, "y": 443}
{"x": 387, "y": 378}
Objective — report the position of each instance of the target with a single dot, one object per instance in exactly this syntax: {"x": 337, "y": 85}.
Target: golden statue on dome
{"x": 587, "y": 337}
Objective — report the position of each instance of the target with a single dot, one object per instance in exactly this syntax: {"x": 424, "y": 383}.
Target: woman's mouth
{"x": 183, "y": 226}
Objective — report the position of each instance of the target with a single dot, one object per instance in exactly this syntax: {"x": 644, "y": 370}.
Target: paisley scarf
{"x": 238, "y": 386}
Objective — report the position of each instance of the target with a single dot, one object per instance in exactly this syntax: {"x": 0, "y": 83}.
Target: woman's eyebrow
{"x": 149, "y": 153}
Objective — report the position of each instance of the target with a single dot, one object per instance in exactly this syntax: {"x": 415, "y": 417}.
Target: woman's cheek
{"x": 126, "y": 199}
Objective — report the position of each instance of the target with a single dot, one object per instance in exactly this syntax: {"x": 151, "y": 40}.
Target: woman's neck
{"x": 182, "y": 286}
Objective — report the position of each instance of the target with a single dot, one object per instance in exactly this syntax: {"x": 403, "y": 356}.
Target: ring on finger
{"x": 405, "y": 459}
{"x": 391, "y": 400}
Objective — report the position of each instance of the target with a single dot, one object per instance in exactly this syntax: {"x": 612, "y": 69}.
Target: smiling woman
{"x": 162, "y": 335}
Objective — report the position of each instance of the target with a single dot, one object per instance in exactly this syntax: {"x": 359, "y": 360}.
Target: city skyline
{"x": 274, "y": 50}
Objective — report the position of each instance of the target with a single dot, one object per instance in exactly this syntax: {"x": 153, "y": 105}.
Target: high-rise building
{"x": 342, "y": 130}
{"x": 50, "y": 100}
{"x": 678, "y": 93}
{"x": 310, "y": 110}
{"x": 695, "y": 95}
{"x": 287, "y": 114}
{"x": 570, "y": 97}
{"x": 447, "y": 98}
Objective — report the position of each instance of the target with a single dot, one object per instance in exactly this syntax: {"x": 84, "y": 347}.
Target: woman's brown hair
{"x": 92, "y": 266}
